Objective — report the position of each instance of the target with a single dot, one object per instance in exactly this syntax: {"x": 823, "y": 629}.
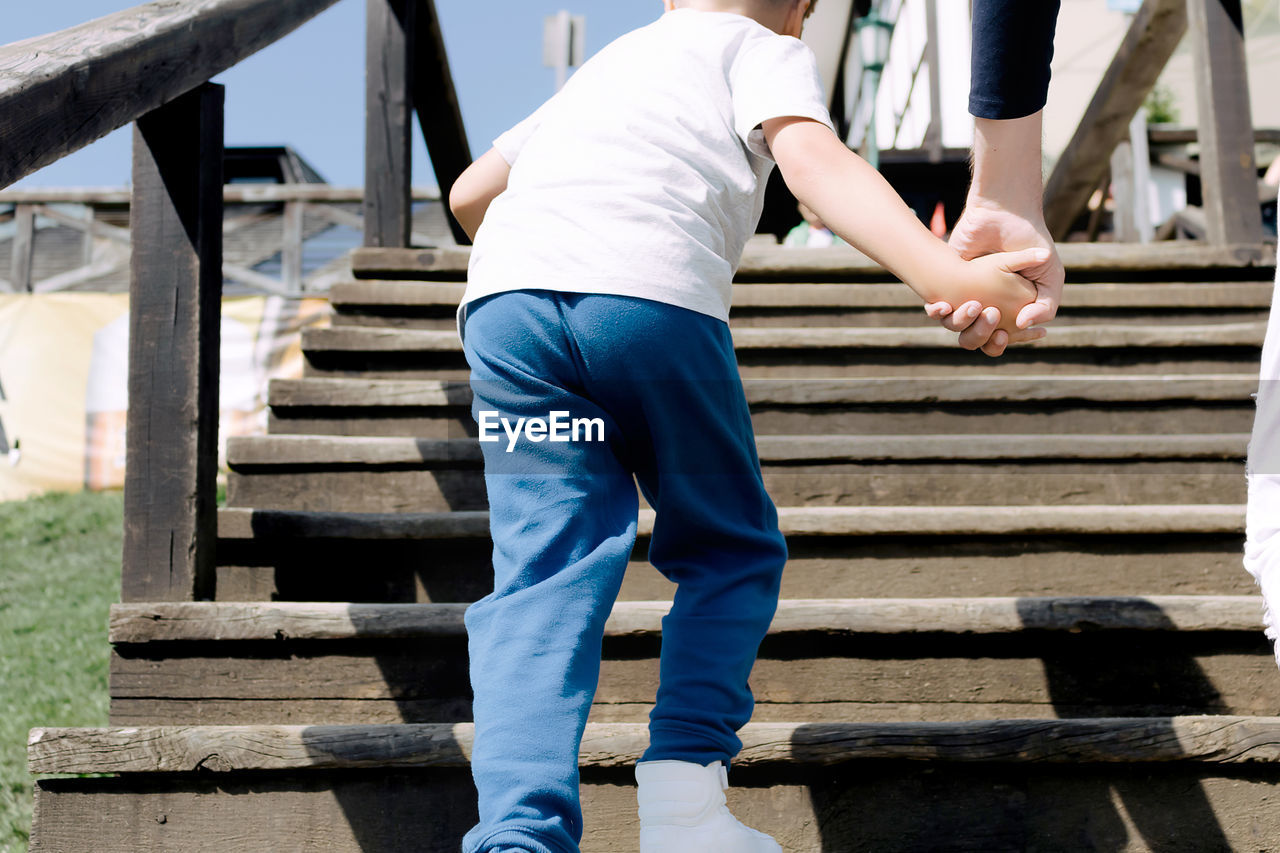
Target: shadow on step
{"x": 1020, "y": 804}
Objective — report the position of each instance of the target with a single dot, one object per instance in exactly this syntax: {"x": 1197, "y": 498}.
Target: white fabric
{"x": 1262, "y": 525}
{"x": 645, "y": 175}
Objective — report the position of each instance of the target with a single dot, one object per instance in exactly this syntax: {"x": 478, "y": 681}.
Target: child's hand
{"x": 993, "y": 280}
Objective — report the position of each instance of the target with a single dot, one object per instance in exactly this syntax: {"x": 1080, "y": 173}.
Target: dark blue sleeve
{"x": 1012, "y": 47}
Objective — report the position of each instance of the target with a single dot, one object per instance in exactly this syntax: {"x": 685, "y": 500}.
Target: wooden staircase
{"x": 1014, "y": 618}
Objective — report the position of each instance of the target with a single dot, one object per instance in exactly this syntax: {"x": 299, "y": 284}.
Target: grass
{"x": 59, "y": 573}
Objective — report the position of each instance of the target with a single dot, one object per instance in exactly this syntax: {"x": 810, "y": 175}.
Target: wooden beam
{"x": 436, "y": 101}
{"x": 1185, "y": 135}
{"x": 175, "y": 293}
{"x": 1154, "y": 34}
{"x": 1218, "y": 739}
{"x": 304, "y": 620}
{"x": 388, "y": 121}
{"x": 1124, "y": 222}
{"x": 291, "y": 245}
{"x": 231, "y": 194}
{"x": 1228, "y": 171}
{"x": 61, "y": 91}
{"x": 933, "y": 134}
{"x": 23, "y": 248}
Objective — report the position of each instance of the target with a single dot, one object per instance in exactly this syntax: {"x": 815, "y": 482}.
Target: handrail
{"x": 61, "y": 91}
{"x": 231, "y": 194}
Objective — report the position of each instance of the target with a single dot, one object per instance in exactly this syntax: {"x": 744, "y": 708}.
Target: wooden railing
{"x": 151, "y": 65}
{"x": 1228, "y": 170}
{"x": 295, "y": 203}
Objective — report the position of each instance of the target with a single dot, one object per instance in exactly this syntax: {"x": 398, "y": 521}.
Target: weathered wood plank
{"x": 177, "y": 749}
{"x": 369, "y": 393}
{"x": 1152, "y": 37}
{"x": 790, "y": 265}
{"x": 231, "y": 194}
{"x": 307, "y": 450}
{"x": 886, "y": 806}
{"x": 291, "y": 247}
{"x": 903, "y": 482}
{"x": 358, "y": 339}
{"x": 175, "y": 295}
{"x": 389, "y": 294}
{"x": 235, "y": 523}
{"x": 22, "y": 248}
{"x": 1147, "y": 674}
{"x": 389, "y": 57}
{"x": 1228, "y": 170}
{"x": 205, "y": 620}
{"x": 59, "y": 92}
{"x": 436, "y": 102}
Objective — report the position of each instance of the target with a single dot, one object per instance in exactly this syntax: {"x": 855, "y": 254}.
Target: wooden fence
{"x": 150, "y": 65}
{"x": 295, "y": 202}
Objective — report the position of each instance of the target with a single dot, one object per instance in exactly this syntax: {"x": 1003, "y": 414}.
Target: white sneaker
{"x": 682, "y": 810}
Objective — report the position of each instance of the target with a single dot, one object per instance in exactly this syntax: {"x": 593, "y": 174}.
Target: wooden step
{"x": 433, "y": 305}
{"x": 823, "y": 660}
{"x": 838, "y": 352}
{"x": 833, "y": 551}
{"x": 965, "y": 404}
{"x": 1143, "y": 784}
{"x": 387, "y": 474}
{"x": 1189, "y": 261}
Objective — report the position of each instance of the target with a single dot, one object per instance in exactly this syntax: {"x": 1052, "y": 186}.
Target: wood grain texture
{"x": 278, "y": 451}
{"x": 880, "y": 807}
{"x": 355, "y": 339}
{"x": 389, "y": 51}
{"x": 175, "y": 297}
{"x": 240, "y": 523}
{"x": 426, "y": 393}
{"x": 789, "y": 265}
{"x": 204, "y": 620}
{"x": 436, "y": 103}
{"x": 1228, "y": 169}
{"x": 1153, "y": 35}
{"x": 387, "y": 294}
{"x": 59, "y": 92}
{"x": 231, "y": 194}
{"x": 178, "y": 749}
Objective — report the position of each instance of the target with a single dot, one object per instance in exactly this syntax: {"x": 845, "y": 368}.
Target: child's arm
{"x": 858, "y": 204}
{"x": 481, "y": 182}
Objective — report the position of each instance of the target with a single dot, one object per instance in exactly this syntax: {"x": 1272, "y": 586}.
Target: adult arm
{"x": 1012, "y": 48}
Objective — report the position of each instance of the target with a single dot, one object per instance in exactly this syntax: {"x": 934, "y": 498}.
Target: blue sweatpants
{"x": 663, "y": 383}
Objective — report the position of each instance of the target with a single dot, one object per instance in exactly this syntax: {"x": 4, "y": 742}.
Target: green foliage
{"x": 1161, "y": 106}
{"x": 59, "y": 574}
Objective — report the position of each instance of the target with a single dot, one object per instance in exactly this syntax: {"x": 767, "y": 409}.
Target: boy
{"x": 598, "y": 293}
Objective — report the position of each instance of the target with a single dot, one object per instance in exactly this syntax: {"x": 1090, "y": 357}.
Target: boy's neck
{"x": 762, "y": 13}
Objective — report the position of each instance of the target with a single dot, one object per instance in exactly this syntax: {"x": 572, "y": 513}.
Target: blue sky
{"x": 307, "y": 90}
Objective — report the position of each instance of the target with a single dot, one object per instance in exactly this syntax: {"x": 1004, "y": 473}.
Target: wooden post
{"x": 291, "y": 246}
{"x": 436, "y": 102}
{"x": 175, "y": 295}
{"x": 1228, "y": 172}
{"x": 1152, "y": 37}
{"x": 24, "y": 241}
{"x": 1122, "y": 189}
{"x": 1144, "y": 230}
{"x": 388, "y": 122}
{"x": 933, "y": 133}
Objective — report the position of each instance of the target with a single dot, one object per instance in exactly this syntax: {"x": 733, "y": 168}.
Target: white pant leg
{"x": 1262, "y": 525}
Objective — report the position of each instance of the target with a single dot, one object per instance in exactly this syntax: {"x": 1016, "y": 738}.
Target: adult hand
{"x": 1003, "y": 214}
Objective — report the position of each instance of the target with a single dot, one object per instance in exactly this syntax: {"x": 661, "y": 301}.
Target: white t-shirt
{"x": 645, "y": 175}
